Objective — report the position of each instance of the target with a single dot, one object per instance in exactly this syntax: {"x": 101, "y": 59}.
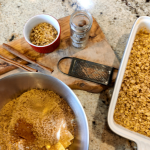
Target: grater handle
{"x": 60, "y": 61}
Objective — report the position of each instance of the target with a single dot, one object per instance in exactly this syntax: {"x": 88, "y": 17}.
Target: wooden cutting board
{"x": 98, "y": 50}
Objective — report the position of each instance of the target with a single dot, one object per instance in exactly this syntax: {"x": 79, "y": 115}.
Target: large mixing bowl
{"x": 13, "y": 85}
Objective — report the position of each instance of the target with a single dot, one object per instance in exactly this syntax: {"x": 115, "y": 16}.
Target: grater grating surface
{"x": 90, "y": 71}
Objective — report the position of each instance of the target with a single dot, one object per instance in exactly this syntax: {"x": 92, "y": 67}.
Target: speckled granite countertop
{"x": 115, "y": 17}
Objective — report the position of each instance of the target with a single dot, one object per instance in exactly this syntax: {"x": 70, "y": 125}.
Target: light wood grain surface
{"x": 98, "y": 50}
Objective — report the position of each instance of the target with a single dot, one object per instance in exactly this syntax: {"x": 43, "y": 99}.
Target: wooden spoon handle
{"x": 17, "y": 64}
{"x": 17, "y": 53}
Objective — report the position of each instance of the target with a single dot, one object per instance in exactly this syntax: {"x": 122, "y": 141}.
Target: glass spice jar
{"x": 80, "y": 25}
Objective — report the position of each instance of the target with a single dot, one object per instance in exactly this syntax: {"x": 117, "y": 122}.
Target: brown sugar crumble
{"x": 24, "y": 130}
{"x": 133, "y": 105}
{"x": 37, "y": 119}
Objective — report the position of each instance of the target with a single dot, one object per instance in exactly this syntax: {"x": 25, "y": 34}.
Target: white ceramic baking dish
{"x": 143, "y": 142}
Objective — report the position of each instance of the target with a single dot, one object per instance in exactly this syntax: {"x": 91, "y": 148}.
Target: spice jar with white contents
{"x": 80, "y": 25}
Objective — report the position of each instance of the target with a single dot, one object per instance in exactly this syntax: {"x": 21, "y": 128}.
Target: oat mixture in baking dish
{"x": 43, "y": 34}
{"x": 133, "y": 106}
{"x": 37, "y": 120}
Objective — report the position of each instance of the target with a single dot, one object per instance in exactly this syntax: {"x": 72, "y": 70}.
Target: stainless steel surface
{"x": 90, "y": 71}
{"x": 13, "y": 85}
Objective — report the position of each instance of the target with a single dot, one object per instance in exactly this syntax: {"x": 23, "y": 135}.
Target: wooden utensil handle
{"x": 17, "y": 53}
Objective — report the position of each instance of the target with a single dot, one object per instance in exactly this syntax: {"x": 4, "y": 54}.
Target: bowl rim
{"x": 44, "y": 45}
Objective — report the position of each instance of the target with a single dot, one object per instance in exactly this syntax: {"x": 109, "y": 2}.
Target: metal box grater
{"x": 88, "y": 70}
